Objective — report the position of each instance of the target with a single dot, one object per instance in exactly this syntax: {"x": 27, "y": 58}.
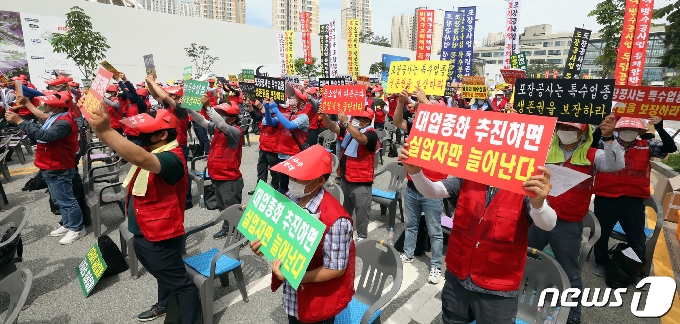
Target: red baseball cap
{"x": 378, "y": 88}
{"x": 112, "y": 88}
{"x": 307, "y": 165}
{"x": 143, "y": 92}
{"x": 367, "y": 113}
{"x": 577, "y": 125}
{"x": 75, "y": 84}
{"x": 630, "y": 122}
{"x": 228, "y": 108}
{"x": 300, "y": 95}
{"x": 60, "y": 99}
{"x": 147, "y": 124}
{"x": 313, "y": 90}
{"x": 178, "y": 91}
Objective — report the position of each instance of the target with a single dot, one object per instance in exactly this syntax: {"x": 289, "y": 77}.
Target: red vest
{"x": 498, "y": 106}
{"x": 60, "y": 154}
{"x": 313, "y": 124}
{"x": 392, "y": 104}
{"x": 269, "y": 140}
{"x": 160, "y": 213}
{"x": 116, "y": 115}
{"x": 132, "y": 110}
{"x": 633, "y": 180}
{"x": 182, "y": 128}
{"x": 489, "y": 244}
{"x": 319, "y": 301}
{"x": 223, "y": 162}
{"x": 380, "y": 116}
{"x": 572, "y": 205}
{"x": 360, "y": 168}
{"x": 124, "y": 105}
{"x": 287, "y": 144}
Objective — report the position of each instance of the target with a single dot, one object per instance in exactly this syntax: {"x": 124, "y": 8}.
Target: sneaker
{"x": 573, "y": 320}
{"x": 359, "y": 239}
{"x": 434, "y": 276}
{"x": 405, "y": 259}
{"x": 221, "y": 234}
{"x": 152, "y": 314}
{"x": 59, "y": 231}
{"x": 72, "y": 236}
{"x": 599, "y": 270}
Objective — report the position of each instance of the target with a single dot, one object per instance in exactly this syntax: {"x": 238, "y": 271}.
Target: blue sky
{"x": 563, "y": 15}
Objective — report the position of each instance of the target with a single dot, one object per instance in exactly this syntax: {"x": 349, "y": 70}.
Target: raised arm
{"x": 398, "y": 119}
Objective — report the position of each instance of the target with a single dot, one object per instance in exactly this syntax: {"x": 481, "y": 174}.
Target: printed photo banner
{"x": 349, "y": 99}
{"x": 511, "y": 75}
{"x": 305, "y": 27}
{"x": 95, "y": 94}
{"x": 347, "y": 77}
{"x": 518, "y": 61}
{"x": 639, "y": 51}
{"x": 500, "y": 150}
{"x": 577, "y": 52}
{"x": 511, "y": 30}
{"x": 456, "y": 67}
{"x": 110, "y": 68}
{"x": 91, "y": 269}
{"x": 281, "y": 41}
{"x": 353, "y": 28}
{"x": 290, "y": 51}
{"x": 193, "y": 91}
{"x": 626, "y": 44}
{"x": 333, "y": 39}
{"x": 475, "y": 91}
{"x": 425, "y": 25}
{"x": 287, "y": 232}
{"x": 150, "y": 65}
{"x": 430, "y": 76}
{"x": 645, "y": 102}
{"x": 469, "y": 16}
{"x": 388, "y": 59}
{"x": 269, "y": 87}
{"x": 573, "y": 101}
{"x": 324, "y": 47}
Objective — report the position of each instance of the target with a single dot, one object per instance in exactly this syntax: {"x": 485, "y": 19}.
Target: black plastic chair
{"x": 18, "y": 218}
{"x": 17, "y": 285}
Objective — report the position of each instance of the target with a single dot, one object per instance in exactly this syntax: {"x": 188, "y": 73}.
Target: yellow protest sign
{"x": 290, "y": 51}
{"x": 233, "y": 78}
{"x": 475, "y": 91}
{"x": 474, "y": 80}
{"x": 111, "y": 69}
{"x": 430, "y": 76}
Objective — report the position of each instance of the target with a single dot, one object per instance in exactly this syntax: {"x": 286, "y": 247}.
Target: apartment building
{"x": 355, "y": 9}
{"x": 225, "y": 10}
{"x": 286, "y": 14}
{"x": 402, "y": 32}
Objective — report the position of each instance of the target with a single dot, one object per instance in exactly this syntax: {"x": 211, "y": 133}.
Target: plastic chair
{"x": 128, "y": 249}
{"x": 590, "y": 221}
{"x": 335, "y": 190}
{"x": 540, "y": 272}
{"x": 651, "y": 240}
{"x": 336, "y": 164}
{"x": 199, "y": 176}
{"x": 396, "y": 184}
{"x": 380, "y": 261}
{"x": 96, "y": 199}
{"x": 17, "y": 285}
{"x": 382, "y": 137}
{"x": 18, "y": 218}
{"x": 204, "y": 267}
{"x": 15, "y": 144}
{"x": 89, "y": 157}
{"x": 4, "y": 170}
{"x": 246, "y": 123}
{"x": 328, "y": 138}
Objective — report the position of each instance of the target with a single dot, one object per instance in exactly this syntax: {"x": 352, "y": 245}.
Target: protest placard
{"x": 363, "y": 80}
{"x": 193, "y": 91}
{"x": 248, "y": 89}
{"x": 187, "y": 73}
{"x": 644, "y": 102}
{"x": 331, "y": 81}
{"x": 475, "y": 91}
{"x": 287, "y": 232}
{"x": 91, "y": 269}
{"x": 346, "y": 77}
{"x": 149, "y": 65}
{"x": 93, "y": 98}
{"x": 111, "y": 69}
{"x": 18, "y": 88}
{"x": 474, "y": 80}
{"x": 248, "y": 75}
{"x": 430, "y": 76}
{"x": 292, "y": 79}
{"x": 349, "y": 99}
{"x": 233, "y": 78}
{"x": 450, "y": 92}
{"x": 518, "y": 61}
{"x": 570, "y": 100}
{"x": 500, "y": 150}
{"x": 269, "y": 87}
{"x": 511, "y": 75}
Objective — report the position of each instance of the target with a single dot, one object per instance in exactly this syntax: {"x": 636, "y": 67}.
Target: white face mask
{"x": 378, "y": 94}
{"x": 567, "y": 137}
{"x": 628, "y": 135}
{"x": 107, "y": 95}
{"x": 356, "y": 123}
{"x": 298, "y": 190}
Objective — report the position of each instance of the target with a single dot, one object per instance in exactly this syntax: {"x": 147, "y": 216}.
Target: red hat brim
{"x": 307, "y": 165}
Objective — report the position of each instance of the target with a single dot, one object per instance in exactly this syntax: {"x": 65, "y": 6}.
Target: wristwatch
{"x": 607, "y": 139}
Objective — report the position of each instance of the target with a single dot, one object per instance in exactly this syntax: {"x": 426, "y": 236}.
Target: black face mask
{"x": 145, "y": 139}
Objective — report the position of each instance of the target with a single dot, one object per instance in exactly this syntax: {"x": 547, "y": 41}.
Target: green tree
{"x": 369, "y": 37}
{"x": 475, "y": 70}
{"x": 539, "y": 69}
{"x": 307, "y": 70}
{"x": 671, "y": 58}
{"x": 377, "y": 68}
{"x": 200, "y": 57}
{"x": 87, "y": 48}
{"x": 609, "y": 14}
{"x": 381, "y": 41}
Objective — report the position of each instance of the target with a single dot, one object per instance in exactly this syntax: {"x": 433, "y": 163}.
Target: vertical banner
{"x": 456, "y": 67}
{"x": 353, "y": 47}
{"x": 281, "y": 40}
{"x": 425, "y": 21}
{"x": 305, "y": 27}
{"x": 290, "y": 51}
{"x": 333, "y": 48}
{"x": 639, "y": 52}
{"x": 511, "y": 32}
{"x": 323, "y": 41}
{"x": 577, "y": 52}
{"x": 469, "y": 16}
{"x": 447, "y": 36}
{"x": 625, "y": 49}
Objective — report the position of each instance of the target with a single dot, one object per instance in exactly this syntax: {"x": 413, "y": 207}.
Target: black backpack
{"x": 115, "y": 261}
{"x": 12, "y": 252}
{"x": 622, "y": 270}
{"x": 393, "y": 152}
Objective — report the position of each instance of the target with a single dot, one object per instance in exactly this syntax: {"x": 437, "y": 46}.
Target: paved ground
{"x": 56, "y": 296}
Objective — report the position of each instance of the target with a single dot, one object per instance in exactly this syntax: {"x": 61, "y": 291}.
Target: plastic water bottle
{"x": 201, "y": 202}
{"x": 540, "y": 315}
{"x": 549, "y": 320}
{"x": 552, "y": 316}
{"x": 390, "y": 236}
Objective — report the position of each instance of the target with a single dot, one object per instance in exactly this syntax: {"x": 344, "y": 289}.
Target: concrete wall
{"x": 133, "y": 33}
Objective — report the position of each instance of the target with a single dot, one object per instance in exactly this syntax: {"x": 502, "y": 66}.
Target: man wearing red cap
{"x": 224, "y": 158}
{"x": 359, "y": 145}
{"x": 155, "y": 205}
{"x": 571, "y": 148}
{"x": 269, "y": 144}
{"x": 114, "y": 107}
{"x": 139, "y": 103}
{"x": 55, "y": 156}
{"x": 328, "y": 285}
{"x": 312, "y": 110}
{"x": 620, "y": 196}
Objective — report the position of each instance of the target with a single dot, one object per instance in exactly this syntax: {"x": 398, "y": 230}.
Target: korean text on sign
{"x": 268, "y": 87}
{"x": 644, "y": 102}
{"x": 349, "y": 99}
{"x": 428, "y": 75}
{"x": 575, "y": 101}
{"x": 500, "y": 150}
{"x": 287, "y": 232}
{"x": 193, "y": 91}
{"x": 91, "y": 269}
{"x": 511, "y": 75}
{"x": 475, "y": 91}
{"x": 93, "y": 98}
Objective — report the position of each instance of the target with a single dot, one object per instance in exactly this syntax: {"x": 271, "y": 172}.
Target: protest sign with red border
{"x": 511, "y": 75}
{"x": 94, "y": 96}
{"x": 500, "y": 150}
{"x": 644, "y": 102}
{"x": 349, "y": 99}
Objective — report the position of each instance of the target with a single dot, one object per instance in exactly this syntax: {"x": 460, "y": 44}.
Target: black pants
{"x": 630, "y": 212}
{"x": 164, "y": 261}
{"x": 265, "y": 161}
{"x": 313, "y": 136}
{"x": 294, "y": 320}
{"x": 283, "y": 181}
{"x": 228, "y": 193}
{"x": 461, "y": 306}
{"x": 185, "y": 152}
